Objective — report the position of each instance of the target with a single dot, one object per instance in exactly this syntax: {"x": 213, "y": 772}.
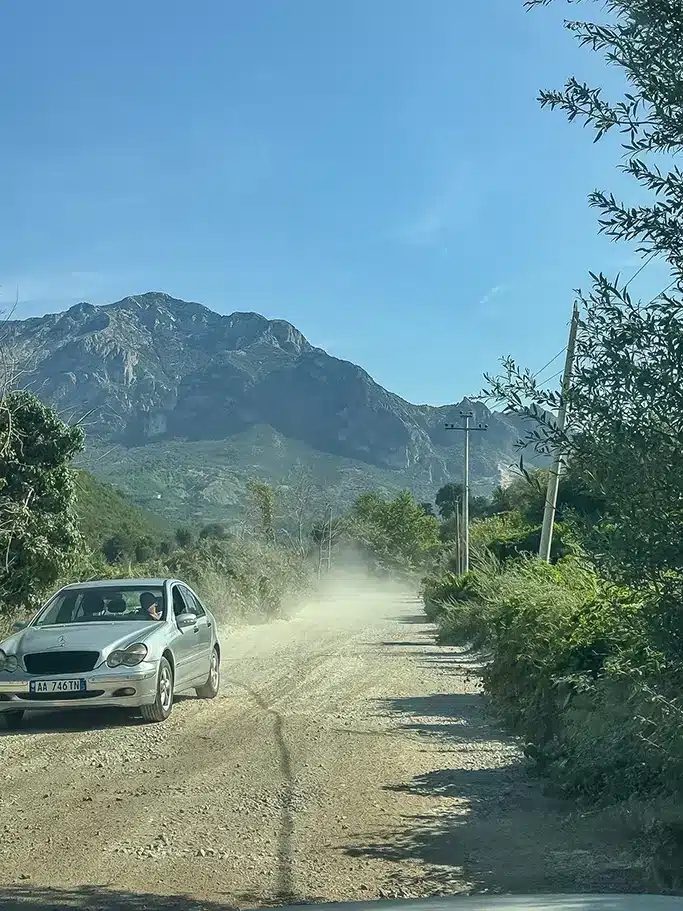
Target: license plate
{"x": 56, "y": 686}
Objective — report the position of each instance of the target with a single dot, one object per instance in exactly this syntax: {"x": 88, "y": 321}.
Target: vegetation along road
{"x": 347, "y": 757}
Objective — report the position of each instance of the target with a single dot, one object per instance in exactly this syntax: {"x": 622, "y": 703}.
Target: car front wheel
{"x": 160, "y": 709}
{"x": 210, "y": 689}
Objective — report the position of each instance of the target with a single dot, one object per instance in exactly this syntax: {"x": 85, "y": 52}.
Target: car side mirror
{"x": 19, "y": 625}
{"x": 186, "y": 620}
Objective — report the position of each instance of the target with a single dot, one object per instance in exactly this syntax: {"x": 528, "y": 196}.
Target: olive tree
{"x": 624, "y": 434}
{"x": 39, "y": 536}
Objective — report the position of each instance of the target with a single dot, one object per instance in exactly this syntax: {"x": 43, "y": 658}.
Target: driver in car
{"x": 149, "y": 604}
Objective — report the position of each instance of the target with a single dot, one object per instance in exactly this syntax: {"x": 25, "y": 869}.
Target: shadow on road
{"x": 415, "y": 619}
{"x": 407, "y": 644}
{"x": 484, "y": 821}
{"x": 458, "y": 717}
{"x": 285, "y": 863}
{"x": 496, "y": 843}
{"x": 98, "y": 898}
{"x": 74, "y": 721}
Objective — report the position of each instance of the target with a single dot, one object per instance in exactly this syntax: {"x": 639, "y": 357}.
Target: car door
{"x": 205, "y": 633}
{"x": 187, "y": 644}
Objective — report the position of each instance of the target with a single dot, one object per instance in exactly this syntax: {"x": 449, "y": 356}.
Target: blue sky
{"x": 377, "y": 172}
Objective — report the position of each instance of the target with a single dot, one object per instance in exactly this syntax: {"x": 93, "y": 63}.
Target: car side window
{"x": 179, "y": 604}
{"x": 194, "y": 604}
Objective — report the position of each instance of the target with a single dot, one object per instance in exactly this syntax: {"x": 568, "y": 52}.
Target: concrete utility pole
{"x": 329, "y": 539}
{"x": 458, "y": 539}
{"x": 466, "y": 504}
{"x": 554, "y": 476}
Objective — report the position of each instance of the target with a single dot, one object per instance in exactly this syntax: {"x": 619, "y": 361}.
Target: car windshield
{"x": 95, "y": 605}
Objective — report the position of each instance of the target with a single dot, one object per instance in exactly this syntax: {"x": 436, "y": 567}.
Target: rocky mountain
{"x": 184, "y": 404}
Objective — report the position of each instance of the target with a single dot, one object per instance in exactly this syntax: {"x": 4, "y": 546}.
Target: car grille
{"x": 60, "y": 662}
{"x": 60, "y": 697}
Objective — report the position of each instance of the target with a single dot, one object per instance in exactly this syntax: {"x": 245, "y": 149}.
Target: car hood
{"x": 568, "y": 902}
{"x": 100, "y": 636}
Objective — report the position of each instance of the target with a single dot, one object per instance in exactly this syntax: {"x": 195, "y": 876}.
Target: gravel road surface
{"x": 347, "y": 757}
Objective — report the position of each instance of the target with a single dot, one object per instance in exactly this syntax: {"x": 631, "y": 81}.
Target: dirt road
{"x": 347, "y": 757}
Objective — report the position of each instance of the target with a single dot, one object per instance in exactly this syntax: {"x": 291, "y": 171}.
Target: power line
{"x": 549, "y": 363}
{"x": 634, "y": 276}
{"x": 639, "y": 270}
{"x": 670, "y": 285}
{"x": 553, "y": 376}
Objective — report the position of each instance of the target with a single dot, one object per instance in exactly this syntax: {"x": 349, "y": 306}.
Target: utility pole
{"x": 466, "y": 503}
{"x": 458, "y": 539}
{"x": 325, "y": 541}
{"x": 554, "y": 476}
{"x": 329, "y": 537}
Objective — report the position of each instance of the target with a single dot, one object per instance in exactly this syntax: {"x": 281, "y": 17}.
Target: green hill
{"x": 192, "y": 483}
{"x": 104, "y": 512}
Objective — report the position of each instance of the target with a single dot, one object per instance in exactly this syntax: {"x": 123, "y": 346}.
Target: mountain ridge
{"x": 151, "y": 369}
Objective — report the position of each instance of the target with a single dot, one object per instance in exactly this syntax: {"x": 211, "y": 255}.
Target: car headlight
{"x": 129, "y": 657}
{"x": 8, "y": 662}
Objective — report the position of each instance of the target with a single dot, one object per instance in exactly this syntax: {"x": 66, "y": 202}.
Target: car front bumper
{"x": 105, "y": 687}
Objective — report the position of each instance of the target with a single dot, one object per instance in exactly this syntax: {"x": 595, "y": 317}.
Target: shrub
{"x": 38, "y": 525}
{"x": 573, "y": 668}
{"x": 225, "y": 573}
{"x": 228, "y": 574}
{"x": 118, "y": 548}
{"x": 184, "y": 537}
{"x": 397, "y": 534}
{"x": 510, "y": 535}
{"x": 212, "y": 530}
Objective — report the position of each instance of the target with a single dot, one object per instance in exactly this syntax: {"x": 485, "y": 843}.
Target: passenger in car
{"x": 149, "y": 604}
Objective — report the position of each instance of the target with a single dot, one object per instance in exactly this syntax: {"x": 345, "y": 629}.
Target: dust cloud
{"x": 351, "y": 588}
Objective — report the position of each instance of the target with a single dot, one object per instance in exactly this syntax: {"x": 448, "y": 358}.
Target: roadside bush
{"x": 511, "y": 535}
{"x": 448, "y": 587}
{"x": 508, "y": 526}
{"x": 573, "y": 668}
{"x": 38, "y": 525}
{"x": 229, "y": 574}
{"x": 226, "y": 574}
{"x": 397, "y": 536}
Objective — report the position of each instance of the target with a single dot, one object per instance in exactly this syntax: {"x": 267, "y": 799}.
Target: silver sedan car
{"x": 133, "y": 643}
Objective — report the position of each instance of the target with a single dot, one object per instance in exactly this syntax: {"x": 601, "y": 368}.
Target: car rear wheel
{"x": 13, "y": 719}
{"x": 160, "y": 709}
{"x": 210, "y": 689}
